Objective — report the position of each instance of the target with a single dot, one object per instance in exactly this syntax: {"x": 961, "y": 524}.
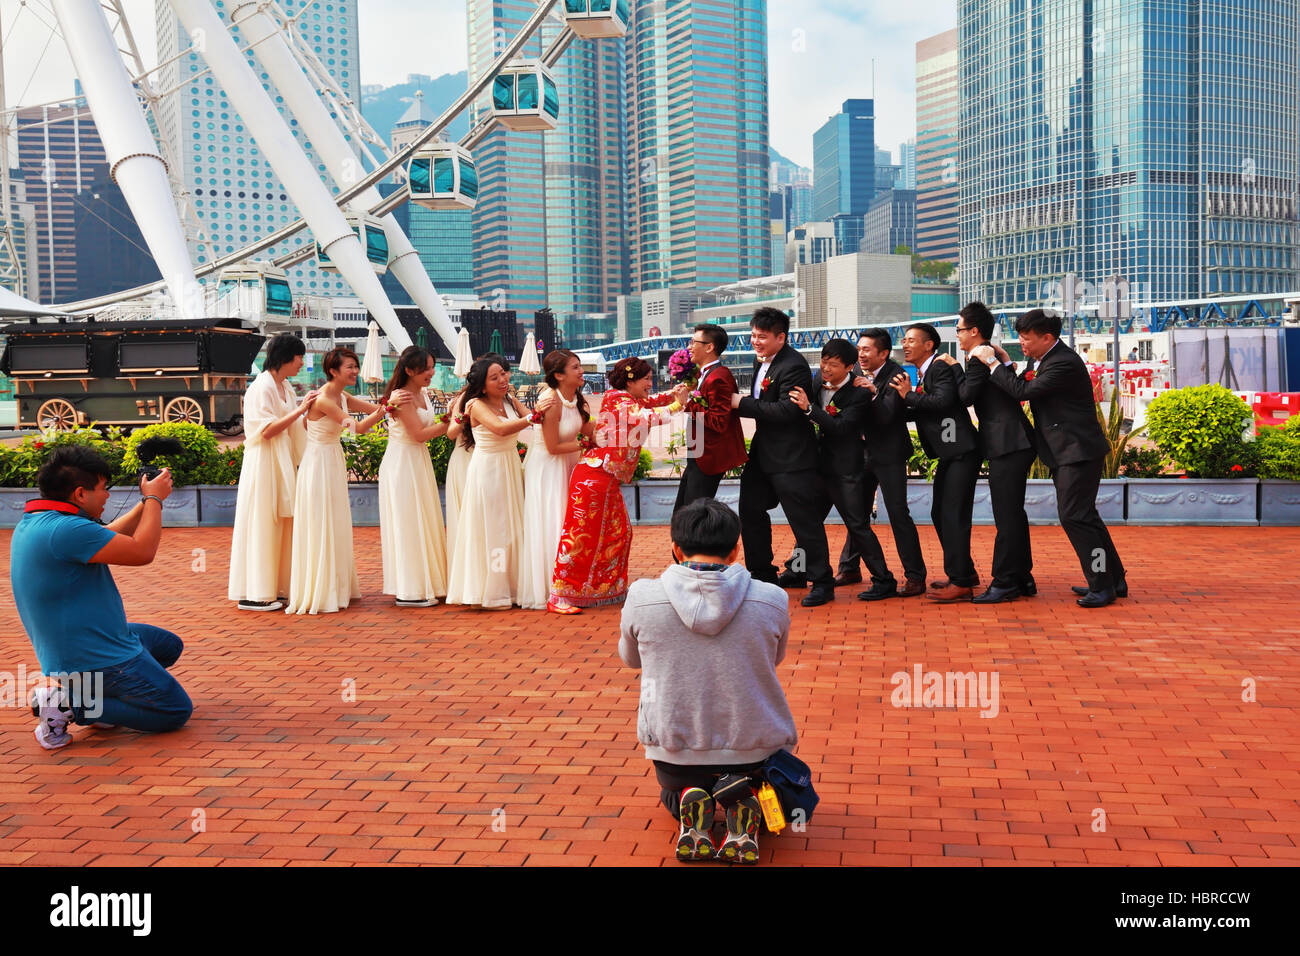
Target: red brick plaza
{"x": 1162, "y": 730}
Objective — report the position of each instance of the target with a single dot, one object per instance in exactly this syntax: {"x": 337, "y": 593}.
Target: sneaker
{"x": 696, "y": 839}
{"x": 741, "y": 845}
{"x": 425, "y": 603}
{"x": 50, "y": 708}
{"x": 260, "y": 605}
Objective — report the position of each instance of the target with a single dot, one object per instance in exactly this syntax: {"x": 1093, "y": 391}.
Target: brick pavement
{"x": 465, "y": 719}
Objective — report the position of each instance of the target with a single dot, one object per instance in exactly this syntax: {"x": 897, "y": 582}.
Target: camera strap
{"x": 62, "y": 507}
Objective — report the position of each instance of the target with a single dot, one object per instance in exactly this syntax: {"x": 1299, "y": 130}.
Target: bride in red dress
{"x": 591, "y": 562}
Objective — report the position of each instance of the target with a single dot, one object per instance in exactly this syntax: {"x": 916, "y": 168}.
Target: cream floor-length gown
{"x": 546, "y": 495}
{"x": 260, "y": 548}
{"x": 454, "y": 486}
{"x": 411, "y": 535}
{"x": 324, "y": 577}
{"x": 490, "y": 526}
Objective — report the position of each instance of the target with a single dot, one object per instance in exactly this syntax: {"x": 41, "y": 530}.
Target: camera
{"x": 150, "y": 449}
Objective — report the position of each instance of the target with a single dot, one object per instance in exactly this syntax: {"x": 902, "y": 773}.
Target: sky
{"x": 820, "y": 53}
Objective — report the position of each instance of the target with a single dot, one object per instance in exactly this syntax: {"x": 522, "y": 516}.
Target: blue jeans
{"x": 138, "y": 693}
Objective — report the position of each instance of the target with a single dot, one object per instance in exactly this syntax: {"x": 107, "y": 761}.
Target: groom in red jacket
{"x": 721, "y": 444}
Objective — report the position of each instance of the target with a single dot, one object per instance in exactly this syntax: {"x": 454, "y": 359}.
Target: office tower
{"x": 844, "y": 162}
{"x": 1150, "y": 141}
{"x": 237, "y": 198}
{"x": 890, "y": 223}
{"x": 60, "y": 156}
{"x": 907, "y": 159}
{"x": 935, "y": 150}
{"x": 797, "y": 203}
{"x": 698, "y": 152}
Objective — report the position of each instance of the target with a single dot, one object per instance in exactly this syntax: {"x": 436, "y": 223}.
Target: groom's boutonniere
{"x": 1029, "y": 376}
{"x": 831, "y": 410}
{"x": 696, "y": 398}
{"x": 766, "y": 383}
{"x": 920, "y": 388}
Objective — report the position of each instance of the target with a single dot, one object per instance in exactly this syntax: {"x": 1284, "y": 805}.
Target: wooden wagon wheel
{"x": 183, "y": 409}
{"x": 57, "y": 414}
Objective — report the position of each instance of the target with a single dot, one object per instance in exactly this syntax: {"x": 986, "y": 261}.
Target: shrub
{"x": 229, "y": 464}
{"x": 196, "y": 465}
{"x": 440, "y": 450}
{"x": 1206, "y": 430}
{"x": 1142, "y": 462}
{"x": 735, "y": 472}
{"x": 1113, "y": 428}
{"x": 19, "y": 465}
{"x": 365, "y": 453}
{"x": 644, "y": 462}
{"x": 920, "y": 464}
{"x": 1279, "y": 451}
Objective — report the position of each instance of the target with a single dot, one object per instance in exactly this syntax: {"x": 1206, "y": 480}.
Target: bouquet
{"x": 682, "y": 369}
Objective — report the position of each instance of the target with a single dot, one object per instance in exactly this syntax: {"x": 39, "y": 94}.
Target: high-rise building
{"x": 698, "y": 152}
{"x": 61, "y": 156}
{"x": 1159, "y": 147}
{"x": 844, "y": 162}
{"x": 890, "y": 223}
{"x": 797, "y": 203}
{"x": 907, "y": 159}
{"x": 935, "y": 150}
{"x": 237, "y": 197}
{"x": 549, "y": 224}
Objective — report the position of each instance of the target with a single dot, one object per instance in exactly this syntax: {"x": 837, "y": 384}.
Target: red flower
{"x": 1029, "y": 375}
{"x": 831, "y": 410}
{"x": 920, "y": 388}
{"x": 767, "y": 383}
{"x": 232, "y": 461}
{"x": 1236, "y": 468}
{"x": 40, "y": 444}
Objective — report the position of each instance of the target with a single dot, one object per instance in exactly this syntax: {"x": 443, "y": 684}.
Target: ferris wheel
{"x": 353, "y": 232}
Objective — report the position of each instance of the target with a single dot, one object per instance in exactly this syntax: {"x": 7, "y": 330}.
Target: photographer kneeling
{"x": 72, "y": 611}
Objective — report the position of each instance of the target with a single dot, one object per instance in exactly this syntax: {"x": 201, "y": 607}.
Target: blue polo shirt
{"x": 71, "y": 609}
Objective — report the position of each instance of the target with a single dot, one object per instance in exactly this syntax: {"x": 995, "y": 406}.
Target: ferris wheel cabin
{"x": 442, "y": 176}
{"x": 255, "y": 291}
{"x": 373, "y": 239}
{"x": 594, "y": 19}
{"x": 525, "y": 97}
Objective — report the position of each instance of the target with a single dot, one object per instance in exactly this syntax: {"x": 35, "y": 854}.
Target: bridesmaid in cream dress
{"x": 547, "y": 468}
{"x": 324, "y": 577}
{"x": 457, "y": 467}
{"x": 275, "y": 438}
{"x": 490, "y": 527}
{"x": 411, "y": 536}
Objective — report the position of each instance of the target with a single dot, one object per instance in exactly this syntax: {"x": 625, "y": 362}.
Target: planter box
{"x": 217, "y": 505}
{"x": 363, "y": 497}
{"x": 656, "y": 497}
{"x": 1209, "y": 501}
{"x": 630, "y": 499}
{"x": 1040, "y": 502}
{"x": 12, "y": 502}
{"x": 1279, "y": 502}
{"x": 180, "y": 510}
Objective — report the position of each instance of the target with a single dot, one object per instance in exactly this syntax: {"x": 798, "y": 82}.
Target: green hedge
{"x": 1206, "y": 430}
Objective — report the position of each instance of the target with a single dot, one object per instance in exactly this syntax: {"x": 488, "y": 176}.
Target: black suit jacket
{"x": 885, "y": 426}
{"x": 1059, "y": 393}
{"x": 784, "y": 439}
{"x": 1004, "y": 429}
{"x": 942, "y": 422}
{"x": 840, "y": 445}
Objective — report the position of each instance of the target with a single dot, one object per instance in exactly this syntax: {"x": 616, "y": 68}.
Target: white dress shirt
{"x": 759, "y": 376}
{"x": 829, "y": 392}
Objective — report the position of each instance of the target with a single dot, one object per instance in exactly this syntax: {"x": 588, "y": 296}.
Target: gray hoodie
{"x": 708, "y": 643}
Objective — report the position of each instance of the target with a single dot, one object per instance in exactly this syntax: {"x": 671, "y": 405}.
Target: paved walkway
{"x": 504, "y": 738}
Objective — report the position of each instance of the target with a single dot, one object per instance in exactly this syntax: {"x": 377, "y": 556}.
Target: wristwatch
{"x": 144, "y": 498}
{"x": 808, "y": 411}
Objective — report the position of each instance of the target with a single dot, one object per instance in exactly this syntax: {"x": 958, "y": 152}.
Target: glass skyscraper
{"x": 936, "y": 147}
{"x": 844, "y": 162}
{"x": 236, "y": 196}
{"x": 698, "y": 157}
{"x": 1148, "y": 139}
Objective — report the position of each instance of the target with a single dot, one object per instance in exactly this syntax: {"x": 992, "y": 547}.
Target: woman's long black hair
{"x": 476, "y": 387}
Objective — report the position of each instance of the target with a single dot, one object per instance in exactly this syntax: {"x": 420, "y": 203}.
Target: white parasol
{"x": 372, "y": 362}
{"x": 464, "y": 355}
{"x": 528, "y": 363}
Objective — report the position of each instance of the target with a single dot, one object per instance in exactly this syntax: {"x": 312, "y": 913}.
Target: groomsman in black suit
{"x": 1070, "y": 442}
{"x": 838, "y": 410}
{"x": 1007, "y": 441}
{"x": 782, "y": 466}
{"x": 943, "y": 424}
{"x": 889, "y": 447}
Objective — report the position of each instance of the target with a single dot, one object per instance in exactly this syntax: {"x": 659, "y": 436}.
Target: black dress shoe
{"x": 847, "y": 578}
{"x": 996, "y": 595}
{"x": 788, "y": 579}
{"x": 818, "y": 596}
{"x": 1121, "y": 589}
{"x": 1029, "y": 588}
{"x": 879, "y": 592}
{"x": 1097, "y": 598}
